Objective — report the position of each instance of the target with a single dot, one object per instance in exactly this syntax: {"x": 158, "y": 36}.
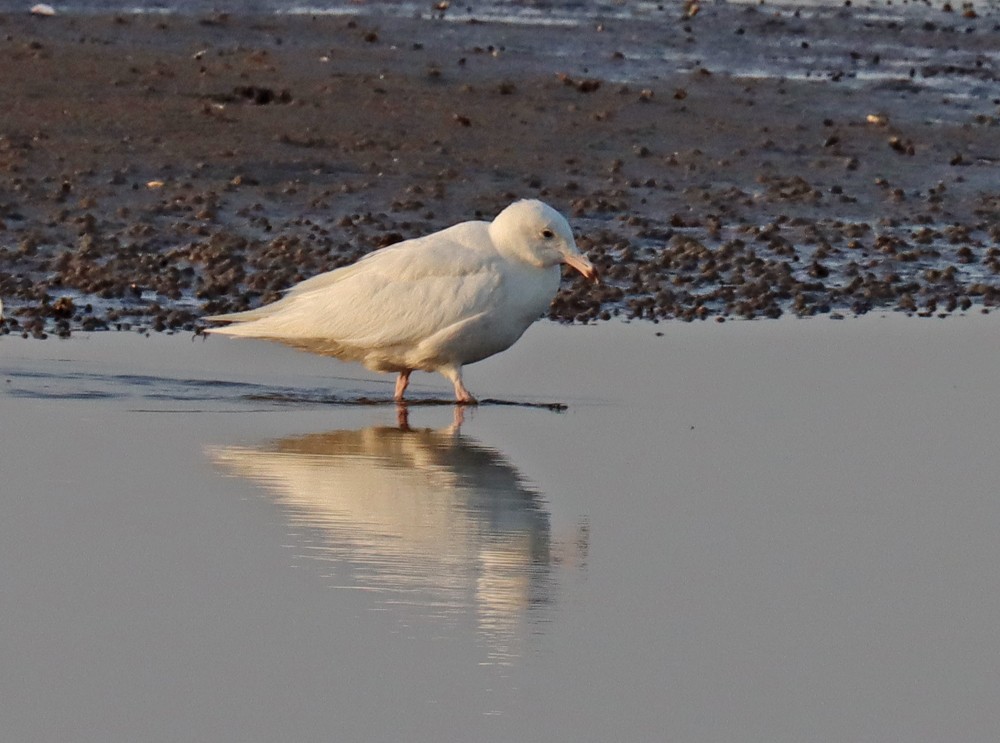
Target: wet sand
{"x": 774, "y": 536}
{"x": 154, "y": 169}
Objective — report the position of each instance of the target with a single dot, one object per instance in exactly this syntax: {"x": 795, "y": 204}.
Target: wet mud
{"x": 739, "y": 161}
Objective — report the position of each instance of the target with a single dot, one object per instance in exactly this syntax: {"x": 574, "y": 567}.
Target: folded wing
{"x": 392, "y": 299}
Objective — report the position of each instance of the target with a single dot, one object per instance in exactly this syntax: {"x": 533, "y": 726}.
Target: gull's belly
{"x": 522, "y": 300}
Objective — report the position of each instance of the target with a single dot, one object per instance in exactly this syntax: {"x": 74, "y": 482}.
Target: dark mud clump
{"x": 153, "y": 170}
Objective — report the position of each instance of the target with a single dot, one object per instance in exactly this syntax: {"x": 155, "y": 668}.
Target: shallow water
{"x": 646, "y": 41}
{"x": 776, "y": 531}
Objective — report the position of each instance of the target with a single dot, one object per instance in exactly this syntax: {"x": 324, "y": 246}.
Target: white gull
{"x": 434, "y": 303}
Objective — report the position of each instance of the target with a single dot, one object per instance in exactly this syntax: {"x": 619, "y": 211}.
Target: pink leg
{"x": 401, "y": 382}
{"x": 462, "y": 395}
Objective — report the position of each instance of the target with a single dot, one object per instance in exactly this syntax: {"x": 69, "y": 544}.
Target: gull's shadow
{"x": 425, "y": 519}
{"x": 82, "y": 385}
{"x": 293, "y": 398}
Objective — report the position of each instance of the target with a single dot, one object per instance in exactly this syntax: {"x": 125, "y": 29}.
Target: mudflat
{"x": 744, "y": 162}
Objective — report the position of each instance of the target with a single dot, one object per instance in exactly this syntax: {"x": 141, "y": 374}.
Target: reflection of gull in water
{"x": 427, "y": 518}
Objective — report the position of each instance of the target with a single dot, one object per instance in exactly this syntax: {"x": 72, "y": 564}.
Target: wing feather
{"x": 388, "y": 302}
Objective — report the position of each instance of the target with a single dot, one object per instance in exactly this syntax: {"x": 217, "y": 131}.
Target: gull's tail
{"x": 245, "y": 323}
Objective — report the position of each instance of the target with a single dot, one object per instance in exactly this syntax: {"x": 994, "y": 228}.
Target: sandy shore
{"x": 155, "y": 169}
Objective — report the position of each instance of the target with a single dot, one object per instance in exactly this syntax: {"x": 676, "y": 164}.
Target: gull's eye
{"x": 548, "y": 234}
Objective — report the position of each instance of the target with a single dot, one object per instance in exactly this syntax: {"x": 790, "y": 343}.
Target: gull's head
{"x": 536, "y": 233}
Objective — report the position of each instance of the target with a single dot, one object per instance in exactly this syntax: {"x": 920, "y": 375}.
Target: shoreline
{"x": 260, "y": 375}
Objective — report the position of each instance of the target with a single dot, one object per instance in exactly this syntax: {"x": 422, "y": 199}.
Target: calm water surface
{"x": 776, "y": 531}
